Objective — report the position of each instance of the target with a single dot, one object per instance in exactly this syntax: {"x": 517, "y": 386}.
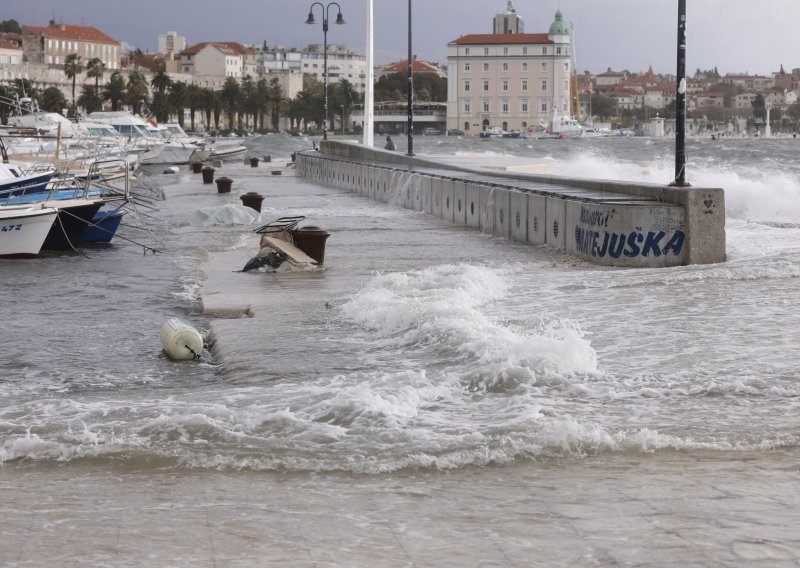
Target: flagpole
{"x": 369, "y": 93}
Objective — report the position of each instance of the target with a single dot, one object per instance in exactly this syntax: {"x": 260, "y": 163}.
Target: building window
{"x": 543, "y": 67}
{"x": 467, "y": 106}
{"x": 566, "y": 85}
{"x": 505, "y": 66}
{"x": 486, "y": 86}
{"x": 524, "y": 66}
{"x": 566, "y": 67}
{"x": 466, "y": 67}
{"x": 504, "y": 105}
{"x": 505, "y": 51}
{"x": 544, "y": 51}
{"x": 524, "y": 84}
{"x": 544, "y": 106}
{"x": 485, "y": 105}
{"x": 505, "y": 85}
{"x": 486, "y": 51}
{"x": 558, "y": 51}
{"x": 524, "y": 106}
{"x": 524, "y": 51}
{"x": 485, "y": 66}
{"x": 544, "y": 85}
{"x": 466, "y": 86}
{"x": 466, "y": 51}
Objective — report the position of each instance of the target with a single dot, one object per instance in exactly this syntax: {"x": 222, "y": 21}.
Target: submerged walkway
{"x": 669, "y": 509}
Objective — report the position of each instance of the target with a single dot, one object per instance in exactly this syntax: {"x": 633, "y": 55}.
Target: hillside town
{"x": 504, "y": 81}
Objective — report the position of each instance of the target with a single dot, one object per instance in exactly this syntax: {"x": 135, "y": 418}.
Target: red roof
{"x": 8, "y": 45}
{"x": 500, "y": 39}
{"x": 417, "y": 65}
{"x": 227, "y": 47}
{"x": 65, "y": 31}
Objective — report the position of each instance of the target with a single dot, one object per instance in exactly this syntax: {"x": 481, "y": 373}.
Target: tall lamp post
{"x": 410, "y": 89}
{"x": 339, "y": 21}
{"x": 680, "y": 101}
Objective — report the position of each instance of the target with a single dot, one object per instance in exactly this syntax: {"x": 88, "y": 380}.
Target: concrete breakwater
{"x": 605, "y": 222}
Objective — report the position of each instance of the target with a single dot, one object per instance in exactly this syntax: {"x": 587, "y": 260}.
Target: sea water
{"x": 490, "y": 354}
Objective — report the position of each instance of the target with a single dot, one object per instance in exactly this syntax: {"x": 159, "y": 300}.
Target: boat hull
{"x": 105, "y": 225}
{"x": 24, "y": 230}
{"x": 72, "y": 223}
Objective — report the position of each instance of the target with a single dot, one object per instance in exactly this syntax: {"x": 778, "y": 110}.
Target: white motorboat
{"x": 23, "y": 229}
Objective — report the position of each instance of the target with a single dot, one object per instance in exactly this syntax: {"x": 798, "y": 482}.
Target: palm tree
{"x": 193, "y": 101}
{"x": 161, "y": 106}
{"x": 161, "y": 82}
{"x": 279, "y": 104}
{"x": 90, "y": 100}
{"x": 349, "y": 97}
{"x": 94, "y": 69}
{"x": 72, "y": 68}
{"x": 136, "y": 91}
{"x": 230, "y": 96}
{"x": 177, "y": 97}
{"x": 249, "y": 103}
{"x": 114, "y": 90}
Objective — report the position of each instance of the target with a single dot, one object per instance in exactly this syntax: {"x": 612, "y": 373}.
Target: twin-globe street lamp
{"x": 339, "y": 21}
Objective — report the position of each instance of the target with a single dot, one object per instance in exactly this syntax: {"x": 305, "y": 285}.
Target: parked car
{"x": 431, "y": 132}
{"x": 455, "y": 132}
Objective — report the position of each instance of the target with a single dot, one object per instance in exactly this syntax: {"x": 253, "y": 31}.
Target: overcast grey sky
{"x": 734, "y": 35}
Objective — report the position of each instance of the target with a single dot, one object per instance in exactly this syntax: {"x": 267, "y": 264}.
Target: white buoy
{"x": 181, "y": 341}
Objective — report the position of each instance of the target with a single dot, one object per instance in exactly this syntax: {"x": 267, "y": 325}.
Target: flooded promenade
{"x": 434, "y": 397}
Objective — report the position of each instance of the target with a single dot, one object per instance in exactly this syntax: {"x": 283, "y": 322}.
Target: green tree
{"x": 161, "y": 82}
{"x": 22, "y": 88}
{"x": 160, "y": 106}
{"x": 90, "y": 99}
{"x": 114, "y": 91}
{"x": 279, "y": 104}
{"x": 177, "y": 97}
{"x": 136, "y": 91}
{"x": 759, "y": 107}
{"x": 94, "y": 70}
{"x": 10, "y": 26}
{"x": 53, "y": 100}
{"x": 230, "y": 96}
{"x": 193, "y": 101}
{"x": 72, "y": 68}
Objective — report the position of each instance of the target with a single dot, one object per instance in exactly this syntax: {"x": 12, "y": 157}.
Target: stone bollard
{"x": 224, "y": 185}
{"x": 217, "y": 163}
{"x": 253, "y": 162}
{"x": 252, "y": 199}
{"x": 311, "y": 240}
{"x": 208, "y": 174}
{"x": 197, "y": 167}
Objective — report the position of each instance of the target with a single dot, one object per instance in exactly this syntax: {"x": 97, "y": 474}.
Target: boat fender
{"x": 181, "y": 341}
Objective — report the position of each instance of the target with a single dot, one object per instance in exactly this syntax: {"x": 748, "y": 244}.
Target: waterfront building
{"x": 49, "y": 45}
{"x": 509, "y": 22}
{"x": 417, "y": 65}
{"x": 10, "y": 54}
{"x": 510, "y": 81}
{"x": 757, "y": 83}
{"x": 343, "y": 63}
{"x": 171, "y": 44}
{"x": 219, "y": 58}
{"x": 608, "y": 80}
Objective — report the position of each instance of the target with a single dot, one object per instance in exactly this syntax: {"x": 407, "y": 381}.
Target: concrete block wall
{"x": 638, "y": 233}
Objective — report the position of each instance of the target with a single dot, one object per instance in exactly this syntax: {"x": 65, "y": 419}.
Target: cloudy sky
{"x": 734, "y": 35}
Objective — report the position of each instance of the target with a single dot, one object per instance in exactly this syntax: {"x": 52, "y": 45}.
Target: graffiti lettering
{"x": 596, "y": 218}
{"x": 637, "y": 243}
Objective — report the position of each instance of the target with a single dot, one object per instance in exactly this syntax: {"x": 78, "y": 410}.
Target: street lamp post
{"x": 339, "y": 21}
{"x": 680, "y": 101}
{"x": 410, "y": 89}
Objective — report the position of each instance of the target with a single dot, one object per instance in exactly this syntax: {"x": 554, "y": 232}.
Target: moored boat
{"x": 23, "y": 230}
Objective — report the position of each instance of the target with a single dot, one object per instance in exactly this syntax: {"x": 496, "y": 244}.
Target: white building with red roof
{"x": 417, "y": 65}
{"x": 49, "y": 45}
{"x": 220, "y": 59}
{"x": 511, "y": 81}
{"x": 10, "y": 53}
